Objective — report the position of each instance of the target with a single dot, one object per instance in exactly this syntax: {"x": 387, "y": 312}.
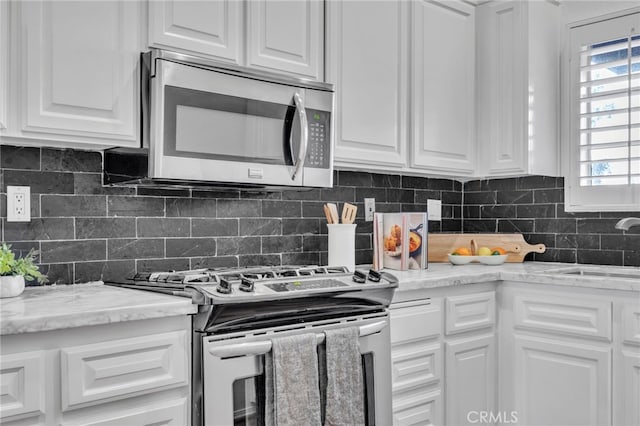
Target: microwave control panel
{"x": 319, "y": 147}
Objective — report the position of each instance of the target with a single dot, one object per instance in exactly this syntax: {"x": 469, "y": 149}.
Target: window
{"x": 603, "y": 168}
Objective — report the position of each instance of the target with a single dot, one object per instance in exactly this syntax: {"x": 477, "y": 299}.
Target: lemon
{"x": 484, "y": 251}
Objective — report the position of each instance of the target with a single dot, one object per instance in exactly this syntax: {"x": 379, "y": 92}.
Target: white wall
{"x": 578, "y": 10}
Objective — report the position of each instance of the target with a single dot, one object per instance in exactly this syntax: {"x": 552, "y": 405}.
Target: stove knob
{"x": 246, "y": 285}
{"x": 374, "y": 276}
{"x": 359, "y": 276}
{"x": 224, "y": 286}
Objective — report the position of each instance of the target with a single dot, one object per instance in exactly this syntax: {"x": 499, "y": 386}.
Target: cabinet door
{"x": 286, "y": 35}
{"x": 470, "y": 371}
{"x": 205, "y": 28}
{"x": 502, "y": 86}
{"x": 23, "y": 383}
{"x": 368, "y": 65}
{"x": 443, "y": 88}
{"x": 169, "y": 413}
{"x": 559, "y": 383}
{"x": 79, "y": 70}
{"x": 417, "y": 367}
{"x": 518, "y": 74}
{"x": 418, "y": 410}
{"x": 628, "y": 392}
{"x": 123, "y": 368}
{"x": 4, "y": 62}
{"x": 470, "y": 312}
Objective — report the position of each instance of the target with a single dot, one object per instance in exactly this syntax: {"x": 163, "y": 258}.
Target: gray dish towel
{"x": 345, "y": 389}
{"x": 291, "y": 382}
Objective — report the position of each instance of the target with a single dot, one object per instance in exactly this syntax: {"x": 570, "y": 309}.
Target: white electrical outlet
{"x": 434, "y": 209}
{"x": 18, "y": 204}
{"x": 369, "y": 209}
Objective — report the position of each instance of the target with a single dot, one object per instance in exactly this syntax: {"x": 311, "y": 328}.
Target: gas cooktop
{"x": 241, "y": 285}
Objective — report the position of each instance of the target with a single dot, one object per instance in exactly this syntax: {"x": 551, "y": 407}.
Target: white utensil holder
{"x": 342, "y": 245}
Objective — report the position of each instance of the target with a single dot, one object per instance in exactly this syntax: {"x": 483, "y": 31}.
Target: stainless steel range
{"x": 241, "y": 310}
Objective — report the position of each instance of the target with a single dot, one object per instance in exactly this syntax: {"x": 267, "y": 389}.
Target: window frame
{"x": 591, "y": 198}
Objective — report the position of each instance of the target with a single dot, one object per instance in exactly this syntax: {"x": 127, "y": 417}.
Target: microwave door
{"x": 213, "y": 126}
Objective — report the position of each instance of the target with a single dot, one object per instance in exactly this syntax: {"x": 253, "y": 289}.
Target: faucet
{"x": 627, "y": 223}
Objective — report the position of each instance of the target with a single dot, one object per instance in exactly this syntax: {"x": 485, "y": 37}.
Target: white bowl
{"x": 461, "y": 260}
{"x": 493, "y": 260}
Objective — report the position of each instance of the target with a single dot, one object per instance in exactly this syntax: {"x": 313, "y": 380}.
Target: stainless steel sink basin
{"x": 599, "y": 272}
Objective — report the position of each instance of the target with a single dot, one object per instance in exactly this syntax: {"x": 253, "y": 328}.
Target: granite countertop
{"x": 445, "y": 274}
{"x": 66, "y": 306}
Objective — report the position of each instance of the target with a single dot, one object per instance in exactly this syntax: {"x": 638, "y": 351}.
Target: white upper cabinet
{"x": 286, "y": 36}
{"x": 367, "y": 63}
{"x": 211, "y": 28}
{"x": 443, "y": 88}
{"x": 4, "y": 63}
{"x": 276, "y": 35}
{"x": 518, "y": 47}
{"x": 76, "y": 76}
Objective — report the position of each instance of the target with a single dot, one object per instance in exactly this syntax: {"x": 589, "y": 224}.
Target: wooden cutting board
{"x": 441, "y": 245}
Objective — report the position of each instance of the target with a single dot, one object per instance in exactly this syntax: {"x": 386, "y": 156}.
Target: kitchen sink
{"x": 599, "y": 272}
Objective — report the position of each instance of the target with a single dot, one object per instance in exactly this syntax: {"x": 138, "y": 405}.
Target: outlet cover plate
{"x": 18, "y": 204}
{"x": 434, "y": 209}
{"x": 369, "y": 209}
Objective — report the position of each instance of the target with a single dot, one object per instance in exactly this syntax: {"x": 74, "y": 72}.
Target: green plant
{"x": 24, "y": 266}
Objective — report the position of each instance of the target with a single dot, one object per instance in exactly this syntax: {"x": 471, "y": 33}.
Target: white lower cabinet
{"x": 169, "y": 413}
{"x": 22, "y": 379}
{"x": 133, "y": 373}
{"x": 516, "y": 353}
{"x": 626, "y": 393}
{"x": 443, "y": 360}
{"x": 417, "y": 365}
{"x": 560, "y": 383}
{"x": 125, "y": 367}
{"x": 470, "y": 379}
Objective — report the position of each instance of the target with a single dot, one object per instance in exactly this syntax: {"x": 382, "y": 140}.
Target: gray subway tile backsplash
{"x": 584, "y": 237}
{"x": 88, "y": 232}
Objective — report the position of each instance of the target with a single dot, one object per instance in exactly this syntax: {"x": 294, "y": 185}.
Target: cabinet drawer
{"x": 414, "y": 321}
{"x": 169, "y": 413}
{"x": 123, "y": 368}
{"x": 418, "y": 409}
{"x": 589, "y": 318}
{"x": 470, "y": 312}
{"x": 22, "y": 384}
{"x": 631, "y": 323}
{"x": 415, "y": 366}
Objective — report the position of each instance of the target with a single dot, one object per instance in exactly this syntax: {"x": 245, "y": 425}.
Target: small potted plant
{"x": 14, "y": 271}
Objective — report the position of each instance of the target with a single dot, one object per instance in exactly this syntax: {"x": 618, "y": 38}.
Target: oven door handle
{"x": 262, "y": 347}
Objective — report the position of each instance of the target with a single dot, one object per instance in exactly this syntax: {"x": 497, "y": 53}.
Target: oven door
{"x": 233, "y": 371}
{"x": 211, "y": 125}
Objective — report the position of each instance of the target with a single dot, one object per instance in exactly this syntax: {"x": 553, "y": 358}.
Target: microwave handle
{"x": 304, "y": 136}
{"x": 262, "y": 347}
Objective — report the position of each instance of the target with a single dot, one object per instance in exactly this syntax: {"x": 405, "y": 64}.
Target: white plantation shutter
{"x": 604, "y": 153}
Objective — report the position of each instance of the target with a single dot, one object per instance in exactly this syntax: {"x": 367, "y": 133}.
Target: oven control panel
{"x": 305, "y": 285}
{"x": 247, "y": 288}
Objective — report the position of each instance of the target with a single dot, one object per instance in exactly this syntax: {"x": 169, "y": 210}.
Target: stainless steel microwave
{"x": 204, "y": 123}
